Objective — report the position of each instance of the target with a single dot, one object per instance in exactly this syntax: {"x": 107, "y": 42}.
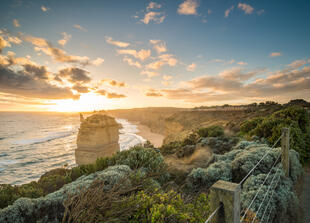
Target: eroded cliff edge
{"x": 97, "y": 137}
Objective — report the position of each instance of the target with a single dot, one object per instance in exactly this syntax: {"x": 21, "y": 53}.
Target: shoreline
{"x": 144, "y": 131}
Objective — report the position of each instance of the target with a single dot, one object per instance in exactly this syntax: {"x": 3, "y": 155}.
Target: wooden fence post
{"x": 285, "y": 147}
{"x": 226, "y": 194}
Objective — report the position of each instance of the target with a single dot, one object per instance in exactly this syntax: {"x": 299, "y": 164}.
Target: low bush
{"x": 137, "y": 157}
{"x": 212, "y": 131}
{"x": 234, "y": 166}
{"x": 138, "y": 202}
{"x": 270, "y": 127}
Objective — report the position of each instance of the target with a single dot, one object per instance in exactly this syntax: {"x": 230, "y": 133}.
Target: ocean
{"x": 32, "y": 143}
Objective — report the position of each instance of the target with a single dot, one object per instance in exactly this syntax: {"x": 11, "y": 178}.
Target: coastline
{"x": 144, "y": 131}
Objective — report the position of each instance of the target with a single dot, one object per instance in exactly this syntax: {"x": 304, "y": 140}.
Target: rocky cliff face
{"x": 98, "y": 137}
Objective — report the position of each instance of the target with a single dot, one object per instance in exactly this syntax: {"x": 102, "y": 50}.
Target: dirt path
{"x": 305, "y": 195}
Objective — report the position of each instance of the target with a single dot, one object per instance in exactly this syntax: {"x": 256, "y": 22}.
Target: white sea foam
{"x": 128, "y": 137}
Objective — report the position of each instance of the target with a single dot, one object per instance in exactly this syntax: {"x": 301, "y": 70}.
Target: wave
{"x": 51, "y": 136}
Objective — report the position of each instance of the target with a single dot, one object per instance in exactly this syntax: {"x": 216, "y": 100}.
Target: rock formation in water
{"x": 98, "y": 137}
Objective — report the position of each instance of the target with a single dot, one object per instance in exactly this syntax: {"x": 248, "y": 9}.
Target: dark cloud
{"x": 80, "y": 88}
{"x": 110, "y": 94}
{"x": 114, "y": 83}
{"x": 74, "y": 75}
{"x": 21, "y": 83}
{"x": 37, "y": 71}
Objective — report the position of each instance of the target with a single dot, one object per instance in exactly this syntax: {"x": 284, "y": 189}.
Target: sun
{"x": 87, "y": 102}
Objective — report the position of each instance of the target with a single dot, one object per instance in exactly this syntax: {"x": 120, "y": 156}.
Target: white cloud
{"x": 98, "y": 61}
{"x": 149, "y": 73}
{"x": 153, "y": 5}
{"x": 44, "y": 8}
{"x": 165, "y": 59}
{"x": 228, "y": 11}
{"x": 132, "y": 63}
{"x": 142, "y": 54}
{"x": 297, "y": 63}
{"x": 116, "y": 43}
{"x": 188, "y": 7}
{"x": 16, "y": 23}
{"x": 159, "y": 46}
{"x": 191, "y": 67}
{"x": 167, "y": 77}
{"x": 77, "y": 26}
{"x": 275, "y": 54}
{"x": 65, "y": 39}
{"x": 242, "y": 63}
{"x": 156, "y": 17}
{"x": 246, "y": 8}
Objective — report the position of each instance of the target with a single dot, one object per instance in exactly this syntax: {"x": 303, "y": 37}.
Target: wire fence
{"x": 273, "y": 184}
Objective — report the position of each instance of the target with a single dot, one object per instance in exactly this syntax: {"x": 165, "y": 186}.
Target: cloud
{"x": 297, "y": 63}
{"x": 16, "y": 23}
{"x": 228, "y": 11}
{"x": 113, "y": 83}
{"x": 166, "y": 80}
{"x": 191, "y": 67}
{"x": 275, "y": 54}
{"x": 153, "y": 5}
{"x": 65, "y": 39}
{"x": 57, "y": 54}
{"x": 77, "y": 26}
{"x": 159, "y": 46}
{"x": 3, "y": 44}
{"x": 21, "y": 83}
{"x": 167, "y": 77}
{"x": 260, "y": 12}
{"x": 156, "y": 17}
{"x": 74, "y": 75}
{"x": 98, "y": 61}
{"x": 142, "y": 54}
{"x": 149, "y": 73}
{"x": 238, "y": 84}
{"x": 80, "y": 88}
{"x": 242, "y": 63}
{"x": 164, "y": 59}
{"x": 188, "y": 7}
{"x": 132, "y": 63}
{"x": 44, "y": 8}
{"x": 153, "y": 93}
{"x": 39, "y": 72}
{"x": 116, "y": 43}
{"x": 246, "y": 8}
{"x": 110, "y": 95}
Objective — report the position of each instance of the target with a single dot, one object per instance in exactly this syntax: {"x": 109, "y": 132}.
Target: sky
{"x": 76, "y": 55}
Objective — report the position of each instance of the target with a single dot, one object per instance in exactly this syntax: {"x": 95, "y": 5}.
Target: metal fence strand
{"x": 211, "y": 216}
{"x": 260, "y": 161}
{"x": 265, "y": 196}
{"x": 261, "y": 186}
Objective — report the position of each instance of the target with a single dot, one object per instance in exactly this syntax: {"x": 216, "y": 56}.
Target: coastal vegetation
{"x": 140, "y": 185}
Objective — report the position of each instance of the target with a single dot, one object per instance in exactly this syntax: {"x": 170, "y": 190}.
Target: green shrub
{"x": 171, "y": 147}
{"x": 137, "y": 157}
{"x": 271, "y": 126}
{"x": 50, "y": 207}
{"x": 212, "y": 131}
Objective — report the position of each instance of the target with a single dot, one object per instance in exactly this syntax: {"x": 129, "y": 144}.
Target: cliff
{"x": 98, "y": 137}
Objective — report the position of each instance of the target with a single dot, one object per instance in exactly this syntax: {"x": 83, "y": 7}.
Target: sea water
{"x": 34, "y": 143}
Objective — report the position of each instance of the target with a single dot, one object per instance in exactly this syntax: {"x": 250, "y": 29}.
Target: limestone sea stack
{"x": 98, "y": 137}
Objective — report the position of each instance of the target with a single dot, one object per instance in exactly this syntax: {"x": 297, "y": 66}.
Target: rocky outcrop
{"x": 98, "y": 137}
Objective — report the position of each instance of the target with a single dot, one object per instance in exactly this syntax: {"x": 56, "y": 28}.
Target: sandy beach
{"x": 155, "y": 138}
